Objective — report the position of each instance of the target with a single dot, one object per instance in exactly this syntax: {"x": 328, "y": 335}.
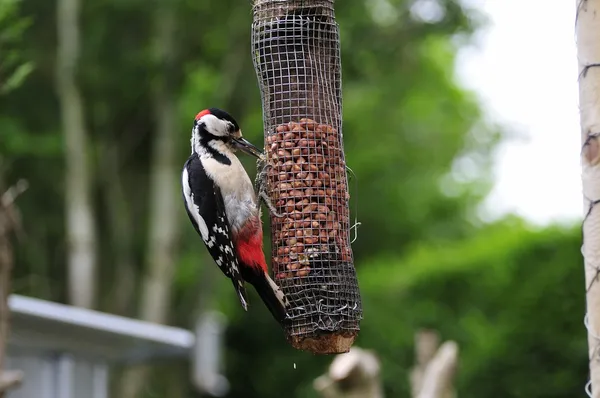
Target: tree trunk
{"x": 164, "y": 193}
{"x": 588, "y": 55}
{"x": 122, "y": 290}
{"x": 81, "y": 234}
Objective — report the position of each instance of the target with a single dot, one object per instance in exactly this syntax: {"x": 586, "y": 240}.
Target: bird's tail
{"x": 240, "y": 289}
{"x": 271, "y": 295}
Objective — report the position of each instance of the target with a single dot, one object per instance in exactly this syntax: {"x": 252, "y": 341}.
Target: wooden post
{"x": 9, "y": 223}
{"x": 426, "y": 344}
{"x": 432, "y": 376}
{"x": 588, "y": 56}
{"x": 351, "y": 375}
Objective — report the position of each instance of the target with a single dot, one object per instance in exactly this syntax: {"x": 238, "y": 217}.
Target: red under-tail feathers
{"x": 249, "y": 245}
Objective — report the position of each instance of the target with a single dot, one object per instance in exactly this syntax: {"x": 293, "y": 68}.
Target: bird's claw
{"x": 260, "y": 184}
{"x": 267, "y": 201}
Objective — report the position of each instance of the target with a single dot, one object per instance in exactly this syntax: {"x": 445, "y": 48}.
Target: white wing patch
{"x": 194, "y": 210}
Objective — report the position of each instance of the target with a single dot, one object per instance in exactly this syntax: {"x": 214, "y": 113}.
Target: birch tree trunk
{"x": 81, "y": 234}
{"x": 120, "y": 299}
{"x": 588, "y": 55}
{"x": 164, "y": 192}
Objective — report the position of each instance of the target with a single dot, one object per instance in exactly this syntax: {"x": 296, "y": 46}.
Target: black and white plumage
{"x": 221, "y": 204}
{"x": 206, "y": 211}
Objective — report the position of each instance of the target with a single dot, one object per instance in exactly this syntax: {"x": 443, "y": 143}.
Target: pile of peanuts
{"x": 307, "y": 184}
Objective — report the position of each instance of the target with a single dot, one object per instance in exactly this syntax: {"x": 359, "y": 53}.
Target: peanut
{"x": 308, "y": 184}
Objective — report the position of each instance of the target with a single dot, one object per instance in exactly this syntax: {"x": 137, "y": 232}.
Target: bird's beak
{"x": 246, "y": 146}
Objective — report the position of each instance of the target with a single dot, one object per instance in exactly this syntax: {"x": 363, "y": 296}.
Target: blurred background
{"x": 460, "y": 123}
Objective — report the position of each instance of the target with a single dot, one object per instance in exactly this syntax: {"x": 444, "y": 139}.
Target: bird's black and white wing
{"x": 206, "y": 211}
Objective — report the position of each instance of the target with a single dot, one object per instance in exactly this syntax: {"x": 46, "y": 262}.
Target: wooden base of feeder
{"x": 324, "y": 342}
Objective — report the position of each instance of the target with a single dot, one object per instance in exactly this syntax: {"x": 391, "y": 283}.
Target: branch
{"x": 9, "y": 223}
{"x": 13, "y": 192}
{"x": 10, "y": 379}
{"x": 6, "y": 204}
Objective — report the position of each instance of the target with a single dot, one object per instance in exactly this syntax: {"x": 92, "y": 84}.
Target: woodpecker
{"x": 224, "y": 209}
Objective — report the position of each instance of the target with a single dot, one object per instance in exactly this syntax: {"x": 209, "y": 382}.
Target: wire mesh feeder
{"x": 296, "y": 56}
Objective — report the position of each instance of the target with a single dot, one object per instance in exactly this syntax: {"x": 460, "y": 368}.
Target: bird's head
{"x": 215, "y": 129}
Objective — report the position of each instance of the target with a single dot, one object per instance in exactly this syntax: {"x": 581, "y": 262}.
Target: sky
{"x": 524, "y": 69}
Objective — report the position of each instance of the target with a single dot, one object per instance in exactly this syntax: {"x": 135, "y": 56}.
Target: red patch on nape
{"x": 202, "y": 113}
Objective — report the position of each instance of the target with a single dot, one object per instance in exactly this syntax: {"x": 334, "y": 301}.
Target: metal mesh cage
{"x": 296, "y": 56}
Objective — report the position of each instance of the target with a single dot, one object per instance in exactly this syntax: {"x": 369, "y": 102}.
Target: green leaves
{"x": 418, "y": 143}
{"x": 509, "y": 296}
{"x": 17, "y": 77}
{"x": 13, "y": 66}
{"x": 18, "y": 142}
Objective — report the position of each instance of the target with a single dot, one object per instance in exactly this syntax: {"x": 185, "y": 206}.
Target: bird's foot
{"x": 260, "y": 185}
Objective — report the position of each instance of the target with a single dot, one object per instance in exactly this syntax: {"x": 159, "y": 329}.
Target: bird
{"x": 223, "y": 207}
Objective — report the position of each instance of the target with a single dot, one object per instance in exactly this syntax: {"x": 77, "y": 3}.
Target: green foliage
{"x": 512, "y": 298}
{"x": 417, "y": 142}
{"x": 17, "y": 142}
{"x": 403, "y": 133}
{"x": 13, "y": 68}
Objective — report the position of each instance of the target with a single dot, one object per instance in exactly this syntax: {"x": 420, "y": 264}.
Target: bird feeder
{"x": 296, "y": 55}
